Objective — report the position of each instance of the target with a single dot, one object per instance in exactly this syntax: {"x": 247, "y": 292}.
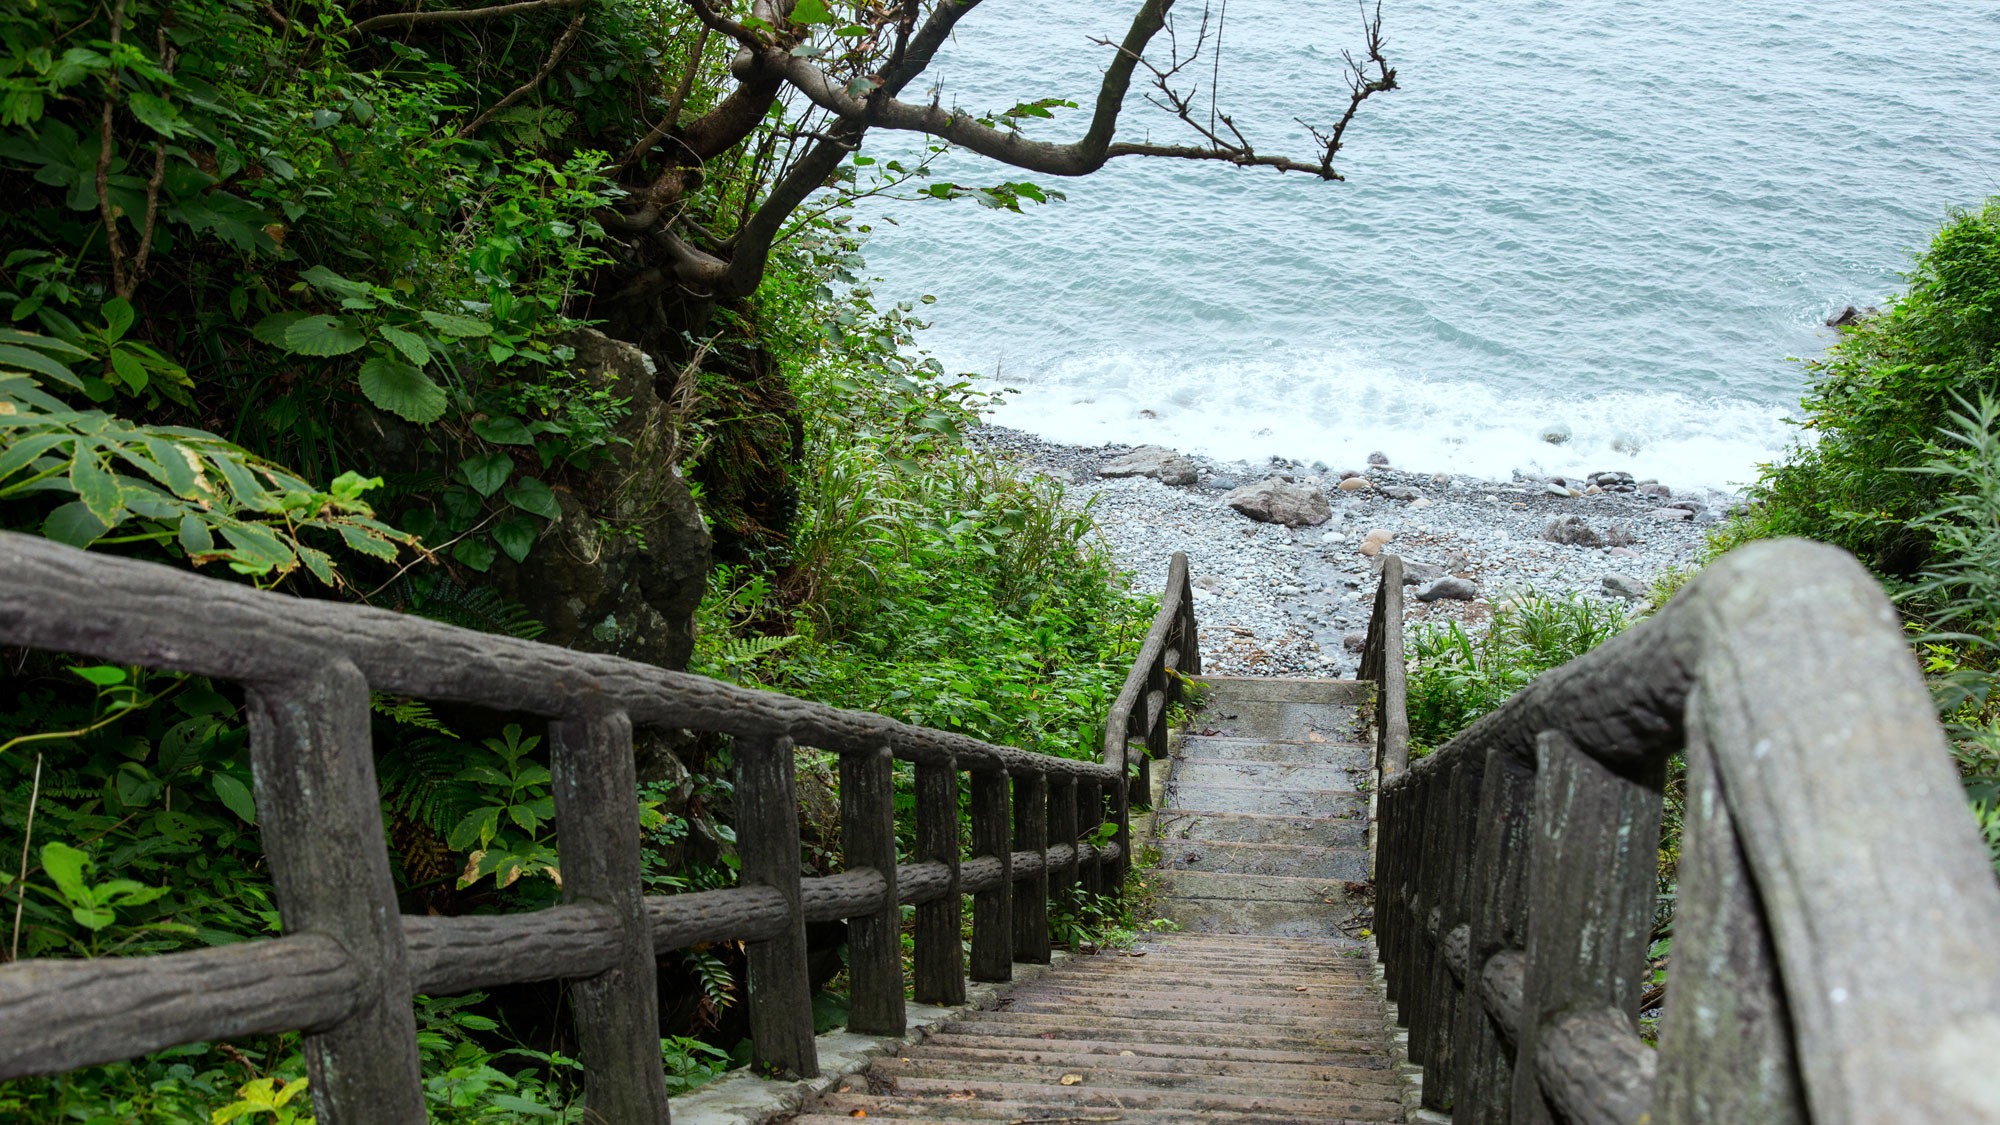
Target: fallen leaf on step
{"x": 1126, "y": 1054}
{"x": 1071, "y": 1079}
{"x": 1315, "y": 736}
{"x": 859, "y": 1113}
{"x": 960, "y": 1096}
{"x": 1298, "y": 988}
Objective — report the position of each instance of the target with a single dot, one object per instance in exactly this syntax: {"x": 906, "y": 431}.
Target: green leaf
{"x": 271, "y": 330}
{"x": 532, "y": 496}
{"x": 402, "y": 390}
{"x": 26, "y": 360}
{"x": 503, "y": 431}
{"x": 194, "y": 535}
{"x": 236, "y": 795}
{"x": 486, "y": 473}
{"x": 409, "y": 343}
{"x": 257, "y": 547}
{"x": 323, "y": 335}
{"x": 368, "y": 544}
{"x": 332, "y": 284}
{"x": 118, "y": 316}
{"x": 97, "y": 488}
{"x": 156, "y": 113}
{"x": 130, "y": 371}
{"x": 476, "y": 827}
{"x": 516, "y": 536}
{"x": 811, "y": 11}
{"x": 67, "y": 868}
{"x": 475, "y": 553}
{"x": 73, "y": 524}
{"x": 452, "y": 324}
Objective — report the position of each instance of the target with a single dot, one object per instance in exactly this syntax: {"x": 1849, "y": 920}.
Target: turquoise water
{"x": 1620, "y": 217}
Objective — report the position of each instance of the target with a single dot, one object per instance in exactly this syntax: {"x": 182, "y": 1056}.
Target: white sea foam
{"x": 1337, "y": 410}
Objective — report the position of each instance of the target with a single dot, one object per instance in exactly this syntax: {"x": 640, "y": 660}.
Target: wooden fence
{"x": 1170, "y": 652}
{"x": 349, "y": 961}
{"x": 1836, "y": 931}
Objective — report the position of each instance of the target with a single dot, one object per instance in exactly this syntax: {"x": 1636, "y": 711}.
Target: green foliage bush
{"x": 1457, "y": 676}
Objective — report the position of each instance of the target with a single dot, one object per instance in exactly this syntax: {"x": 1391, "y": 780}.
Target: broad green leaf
{"x": 19, "y": 454}
{"x": 257, "y": 547}
{"x": 96, "y": 487}
{"x": 475, "y": 553}
{"x": 329, "y": 282}
{"x": 452, "y": 324}
{"x": 194, "y": 535}
{"x": 73, "y": 524}
{"x": 503, "y": 431}
{"x": 178, "y": 465}
{"x": 476, "y": 827}
{"x": 271, "y": 330}
{"x": 67, "y": 868}
{"x": 319, "y": 562}
{"x": 27, "y": 360}
{"x": 156, "y": 113}
{"x": 118, "y": 316}
{"x": 42, "y": 343}
{"x": 516, "y": 536}
{"x": 532, "y": 496}
{"x": 487, "y": 472}
{"x": 233, "y": 793}
{"x": 323, "y": 335}
{"x": 402, "y": 390}
{"x": 811, "y": 11}
{"x": 103, "y": 675}
{"x": 130, "y": 371}
{"x": 367, "y": 544}
{"x": 409, "y": 343}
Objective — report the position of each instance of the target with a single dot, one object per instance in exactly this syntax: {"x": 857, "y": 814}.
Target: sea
{"x": 1623, "y": 221}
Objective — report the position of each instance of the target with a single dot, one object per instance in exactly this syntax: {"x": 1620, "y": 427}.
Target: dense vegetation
{"x": 1904, "y": 470}
{"x": 296, "y": 294}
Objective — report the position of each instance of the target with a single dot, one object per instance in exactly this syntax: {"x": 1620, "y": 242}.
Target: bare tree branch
{"x": 555, "y": 56}
{"x": 460, "y": 15}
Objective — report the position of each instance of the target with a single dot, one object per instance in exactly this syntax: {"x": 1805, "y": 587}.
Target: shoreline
{"x": 1275, "y": 600}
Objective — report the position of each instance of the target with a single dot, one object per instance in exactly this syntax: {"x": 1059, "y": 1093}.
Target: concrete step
{"x": 1336, "y": 1103}
{"x": 1341, "y": 802}
{"x": 1255, "y": 904}
{"x": 1264, "y": 859}
{"x": 1255, "y": 828}
{"x": 1193, "y": 773}
{"x": 1281, "y": 689}
{"x": 1350, "y": 754}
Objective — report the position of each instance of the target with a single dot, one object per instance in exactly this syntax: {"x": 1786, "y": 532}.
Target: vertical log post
{"x": 1031, "y": 895}
{"x": 993, "y": 908}
{"x": 597, "y": 827}
{"x": 1726, "y": 1046}
{"x": 1592, "y": 877}
{"x": 320, "y": 812}
{"x": 1090, "y": 814}
{"x": 767, "y": 836}
{"x": 940, "y": 952}
{"x": 1484, "y": 1091}
{"x": 1462, "y": 782}
{"x": 875, "y": 939}
{"x": 1062, "y": 830}
{"x": 1425, "y": 913}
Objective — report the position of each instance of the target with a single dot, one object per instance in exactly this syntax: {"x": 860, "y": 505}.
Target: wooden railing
{"x": 1170, "y": 652}
{"x": 1382, "y": 663}
{"x": 349, "y": 962}
{"x": 1836, "y": 931}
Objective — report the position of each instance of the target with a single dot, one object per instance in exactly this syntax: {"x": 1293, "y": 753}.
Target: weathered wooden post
{"x": 1484, "y": 1090}
{"x": 767, "y": 838}
{"x": 874, "y": 940}
{"x": 1031, "y": 895}
{"x": 321, "y": 816}
{"x": 993, "y": 908}
{"x": 940, "y": 951}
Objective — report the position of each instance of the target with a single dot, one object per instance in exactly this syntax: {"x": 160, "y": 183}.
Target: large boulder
{"x": 1278, "y": 500}
{"x": 1163, "y": 465}
{"x": 625, "y": 562}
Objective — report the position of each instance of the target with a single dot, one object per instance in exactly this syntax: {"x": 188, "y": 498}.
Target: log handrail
{"x": 1834, "y": 955}
{"x": 349, "y": 962}
{"x": 1169, "y": 654}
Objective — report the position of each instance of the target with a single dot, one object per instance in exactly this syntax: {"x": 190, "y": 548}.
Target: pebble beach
{"x": 1280, "y": 600}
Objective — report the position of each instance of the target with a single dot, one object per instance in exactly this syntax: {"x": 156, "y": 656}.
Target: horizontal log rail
{"x": 1834, "y": 954}
{"x": 1169, "y": 653}
{"x": 349, "y": 963}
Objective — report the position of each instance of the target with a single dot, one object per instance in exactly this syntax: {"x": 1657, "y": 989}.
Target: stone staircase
{"x": 1263, "y": 1008}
